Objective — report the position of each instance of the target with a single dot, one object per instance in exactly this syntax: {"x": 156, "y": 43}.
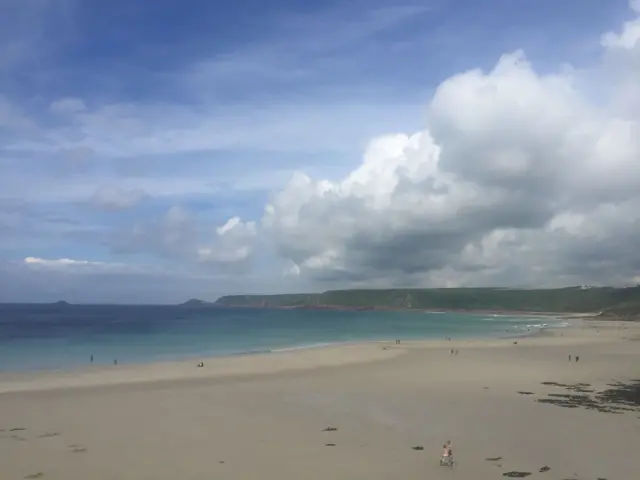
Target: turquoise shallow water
{"x": 54, "y": 337}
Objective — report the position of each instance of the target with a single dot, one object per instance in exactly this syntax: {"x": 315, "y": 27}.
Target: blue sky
{"x": 112, "y": 113}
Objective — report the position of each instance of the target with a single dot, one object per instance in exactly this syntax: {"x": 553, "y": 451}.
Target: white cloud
{"x": 233, "y": 243}
{"x": 517, "y": 177}
{"x": 627, "y": 39}
{"x": 622, "y": 67}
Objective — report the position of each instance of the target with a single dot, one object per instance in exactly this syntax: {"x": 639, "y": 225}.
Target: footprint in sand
{"x": 330, "y": 429}
{"x": 49, "y": 435}
{"x": 329, "y": 444}
{"x": 77, "y": 448}
{"x": 35, "y": 475}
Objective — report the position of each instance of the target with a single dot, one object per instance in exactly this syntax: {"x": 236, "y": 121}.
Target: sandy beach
{"x": 263, "y": 416}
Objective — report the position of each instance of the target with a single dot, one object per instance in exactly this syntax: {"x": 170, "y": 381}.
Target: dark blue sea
{"x": 39, "y": 336}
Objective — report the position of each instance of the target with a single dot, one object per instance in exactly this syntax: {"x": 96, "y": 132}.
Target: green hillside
{"x": 609, "y": 300}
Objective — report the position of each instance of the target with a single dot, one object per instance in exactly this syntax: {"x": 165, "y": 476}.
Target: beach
{"x": 392, "y": 407}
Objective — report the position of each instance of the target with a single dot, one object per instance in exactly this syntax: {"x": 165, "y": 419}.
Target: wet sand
{"x": 347, "y": 412}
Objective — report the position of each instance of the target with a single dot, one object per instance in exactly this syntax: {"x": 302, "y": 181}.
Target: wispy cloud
{"x": 112, "y": 197}
{"x": 69, "y": 263}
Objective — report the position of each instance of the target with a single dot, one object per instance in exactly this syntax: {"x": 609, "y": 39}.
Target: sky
{"x": 152, "y": 152}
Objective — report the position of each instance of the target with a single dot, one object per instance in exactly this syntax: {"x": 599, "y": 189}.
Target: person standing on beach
{"x": 445, "y": 454}
{"x": 448, "y": 452}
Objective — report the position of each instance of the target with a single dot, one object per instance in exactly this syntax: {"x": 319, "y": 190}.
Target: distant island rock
{"x": 61, "y": 303}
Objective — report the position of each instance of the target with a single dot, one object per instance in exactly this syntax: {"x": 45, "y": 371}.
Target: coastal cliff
{"x": 607, "y": 301}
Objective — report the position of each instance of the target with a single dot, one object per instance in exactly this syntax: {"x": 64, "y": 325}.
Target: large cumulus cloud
{"x": 518, "y": 178}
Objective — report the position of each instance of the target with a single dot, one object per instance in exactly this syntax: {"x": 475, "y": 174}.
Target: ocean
{"x": 39, "y": 336}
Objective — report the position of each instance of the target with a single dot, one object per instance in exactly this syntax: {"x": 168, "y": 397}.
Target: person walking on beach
{"x": 569, "y": 357}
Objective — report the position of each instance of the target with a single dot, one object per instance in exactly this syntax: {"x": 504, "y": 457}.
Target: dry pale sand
{"x": 261, "y": 417}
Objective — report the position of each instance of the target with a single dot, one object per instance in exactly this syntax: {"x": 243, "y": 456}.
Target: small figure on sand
{"x": 577, "y": 358}
{"x": 569, "y": 357}
{"x": 115, "y": 361}
{"x": 447, "y": 454}
{"x": 201, "y": 364}
{"x": 91, "y": 358}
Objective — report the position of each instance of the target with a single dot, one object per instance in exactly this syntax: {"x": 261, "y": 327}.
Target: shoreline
{"x": 189, "y": 358}
{"x": 501, "y": 312}
{"x": 293, "y": 359}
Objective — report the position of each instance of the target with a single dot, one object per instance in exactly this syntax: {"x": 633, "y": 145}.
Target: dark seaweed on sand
{"x": 622, "y": 394}
{"x": 617, "y": 399}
